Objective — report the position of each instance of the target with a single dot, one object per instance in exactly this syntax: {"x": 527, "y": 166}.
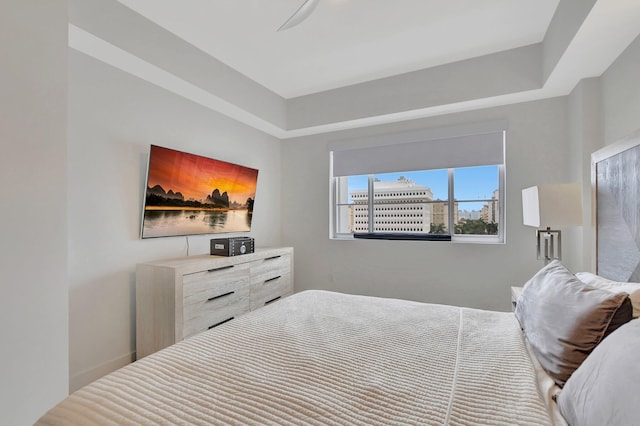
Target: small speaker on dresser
{"x": 232, "y": 246}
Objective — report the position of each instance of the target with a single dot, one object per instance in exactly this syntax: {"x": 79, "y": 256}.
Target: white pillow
{"x": 605, "y": 389}
{"x": 633, "y": 289}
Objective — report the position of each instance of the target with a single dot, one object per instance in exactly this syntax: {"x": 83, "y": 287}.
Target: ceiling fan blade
{"x": 300, "y": 15}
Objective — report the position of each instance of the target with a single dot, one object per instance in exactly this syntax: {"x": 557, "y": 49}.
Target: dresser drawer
{"x": 214, "y": 296}
{"x": 270, "y": 290}
{"x": 270, "y": 267}
{"x": 211, "y": 312}
{"x": 201, "y": 286}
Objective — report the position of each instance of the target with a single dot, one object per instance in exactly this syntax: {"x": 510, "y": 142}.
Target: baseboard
{"x": 87, "y": 376}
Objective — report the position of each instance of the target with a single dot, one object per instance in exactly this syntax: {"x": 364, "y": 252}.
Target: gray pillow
{"x": 632, "y": 289}
{"x": 605, "y": 389}
{"x": 564, "y": 319}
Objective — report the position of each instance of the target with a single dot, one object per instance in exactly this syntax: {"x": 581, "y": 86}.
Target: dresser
{"x": 178, "y": 298}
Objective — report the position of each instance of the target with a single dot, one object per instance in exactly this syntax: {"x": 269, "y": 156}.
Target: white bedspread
{"x": 322, "y": 358}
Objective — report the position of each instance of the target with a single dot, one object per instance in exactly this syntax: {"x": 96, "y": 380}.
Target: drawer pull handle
{"x": 272, "y": 257}
{"x": 220, "y": 269}
{"x": 219, "y": 296}
{"x": 272, "y": 300}
{"x": 219, "y": 323}
{"x": 272, "y": 279}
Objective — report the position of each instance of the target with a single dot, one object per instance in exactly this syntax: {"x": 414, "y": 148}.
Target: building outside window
{"x": 399, "y": 206}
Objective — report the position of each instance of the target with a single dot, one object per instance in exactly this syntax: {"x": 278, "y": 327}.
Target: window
{"x": 395, "y": 200}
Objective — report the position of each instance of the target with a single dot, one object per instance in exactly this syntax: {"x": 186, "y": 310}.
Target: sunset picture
{"x": 188, "y": 194}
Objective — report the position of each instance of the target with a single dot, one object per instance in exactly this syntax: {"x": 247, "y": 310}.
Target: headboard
{"x": 615, "y": 175}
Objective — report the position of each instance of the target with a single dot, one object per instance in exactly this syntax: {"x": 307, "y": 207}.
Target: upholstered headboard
{"x": 615, "y": 174}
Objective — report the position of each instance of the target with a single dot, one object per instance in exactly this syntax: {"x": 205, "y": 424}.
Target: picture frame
{"x": 189, "y": 194}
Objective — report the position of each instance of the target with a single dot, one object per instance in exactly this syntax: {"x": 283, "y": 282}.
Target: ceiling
{"x": 345, "y": 42}
{"x": 355, "y": 63}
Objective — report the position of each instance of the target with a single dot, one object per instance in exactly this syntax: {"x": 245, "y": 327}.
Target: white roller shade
{"x": 463, "y": 151}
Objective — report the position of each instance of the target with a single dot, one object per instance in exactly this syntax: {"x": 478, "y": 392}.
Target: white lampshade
{"x": 552, "y": 205}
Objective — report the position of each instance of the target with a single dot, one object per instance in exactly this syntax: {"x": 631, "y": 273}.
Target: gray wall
{"x": 476, "y": 275}
{"x": 621, "y": 95}
{"x": 602, "y": 110}
{"x": 33, "y": 190}
{"x": 113, "y": 118}
{"x": 585, "y": 137}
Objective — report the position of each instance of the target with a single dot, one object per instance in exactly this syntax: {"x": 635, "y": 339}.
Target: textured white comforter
{"x": 322, "y": 358}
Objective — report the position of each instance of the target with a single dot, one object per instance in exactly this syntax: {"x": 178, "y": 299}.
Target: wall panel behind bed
{"x": 616, "y": 182}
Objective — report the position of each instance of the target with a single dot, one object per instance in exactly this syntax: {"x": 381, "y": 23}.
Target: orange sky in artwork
{"x": 196, "y": 177}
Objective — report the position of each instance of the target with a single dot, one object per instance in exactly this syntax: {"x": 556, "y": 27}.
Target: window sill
{"x": 402, "y": 236}
{"x": 477, "y": 239}
{"x": 457, "y": 239}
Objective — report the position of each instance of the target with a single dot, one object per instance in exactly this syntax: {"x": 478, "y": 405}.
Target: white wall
{"x": 585, "y": 137}
{"x": 621, "y": 95}
{"x": 115, "y": 23}
{"x": 441, "y": 272}
{"x": 33, "y": 189}
{"x": 602, "y": 110}
{"x": 113, "y": 118}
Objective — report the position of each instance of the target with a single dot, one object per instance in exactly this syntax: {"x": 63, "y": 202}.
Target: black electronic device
{"x": 232, "y": 246}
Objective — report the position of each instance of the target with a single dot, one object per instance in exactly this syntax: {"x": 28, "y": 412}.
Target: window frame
{"x": 500, "y": 238}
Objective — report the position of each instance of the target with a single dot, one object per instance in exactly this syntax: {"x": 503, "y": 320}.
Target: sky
{"x": 196, "y": 177}
{"x": 470, "y": 183}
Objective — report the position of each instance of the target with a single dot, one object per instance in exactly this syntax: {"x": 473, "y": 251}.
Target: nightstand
{"x": 515, "y": 294}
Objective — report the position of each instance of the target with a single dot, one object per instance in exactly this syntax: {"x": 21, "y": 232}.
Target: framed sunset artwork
{"x": 188, "y": 194}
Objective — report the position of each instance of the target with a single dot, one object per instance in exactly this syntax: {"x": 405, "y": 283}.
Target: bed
{"x": 327, "y": 358}
{"x": 567, "y": 355}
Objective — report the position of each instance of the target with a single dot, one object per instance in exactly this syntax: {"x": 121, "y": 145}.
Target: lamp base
{"x": 552, "y": 244}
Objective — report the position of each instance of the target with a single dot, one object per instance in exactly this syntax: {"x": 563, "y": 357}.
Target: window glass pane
{"x": 349, "y": 191}
{"x": 475, "y": 183}
{"x": 472, "y": 219}
{"x": 343, "y": 224}
{"x": 477, "y": 200}
{"x": 346, "y": 185}
{"x": 411, "y": 202}
{"x": 358, "y": 189}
